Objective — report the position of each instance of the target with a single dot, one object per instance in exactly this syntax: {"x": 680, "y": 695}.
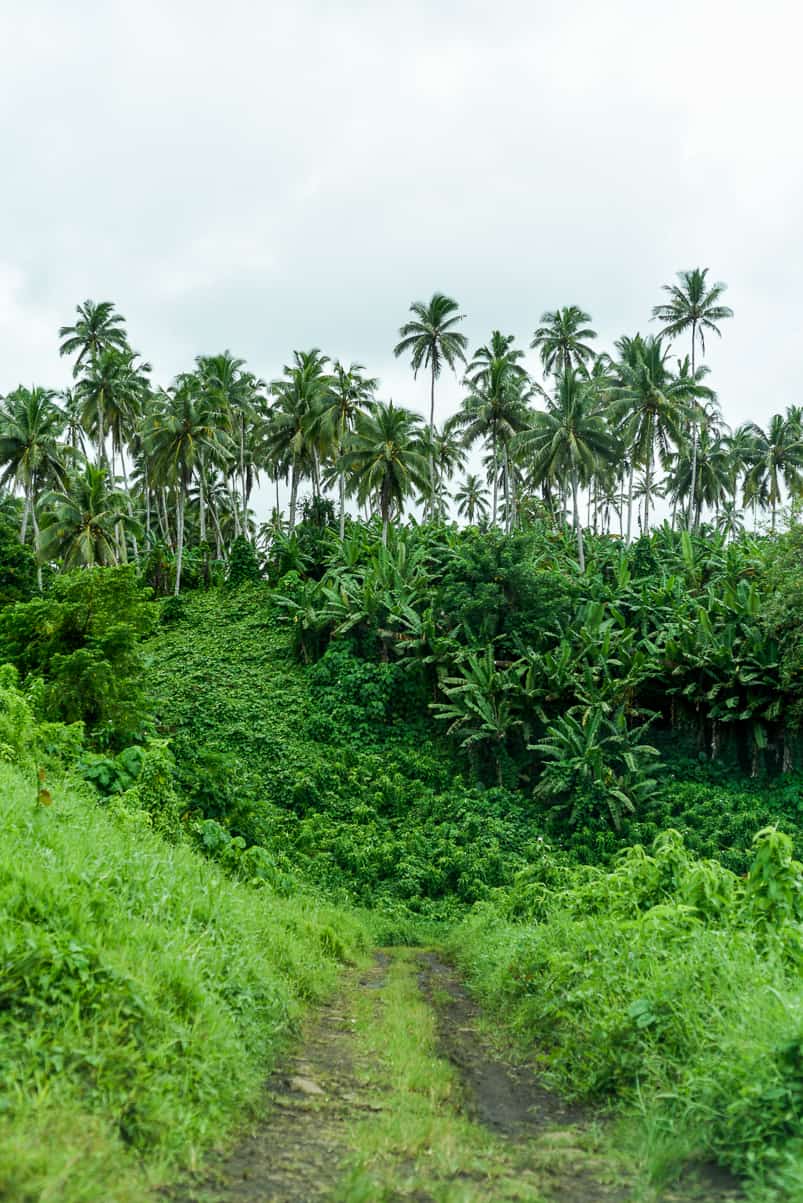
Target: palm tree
{"x": 777, "y": 459}
{"x": 496, "y": 407}
{"x": 712, "y": 480}
{"x": 472, "y": 499}
{"x": 31, "y": 425}
{"x": 560, "y": 340}
{"x": 295, "y": 419}
{"x": 730, "y": 521}
{"x": 653, "y": 406}
{"x": 741, "y": 447}
{"x": 235, "y": 397}
{"x": 111, "y": 395}
{"x": 81, "y": 520}
{"x": 570, "y": 440}
{"x": 385, "y": 458}
{"x": 349, "y": 393}
{"x": 178, "y": 433}
{"x": 448, "y": 453}
{"x": 693, "y": 305}
{"x": 98, "y": 328}
{"x": 432, "y": 340}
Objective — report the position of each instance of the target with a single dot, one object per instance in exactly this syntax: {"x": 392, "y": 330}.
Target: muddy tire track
{"x": 508, "y": 1098}
{"x": 294, "y": 1152}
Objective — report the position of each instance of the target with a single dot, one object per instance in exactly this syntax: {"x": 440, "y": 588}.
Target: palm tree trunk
{"x": 161, "y": 513}
{"x": 496, "y": 478}
{"x": 648, "y": 480}
{"x": 36, "y": 544}
{"x": 179, "y": 535}
{"x": 129, "y": 506}
{"x": 242, "y": 473}
{"x": 342, "y": 505}
{"x": 431, "y": 444}
{"x": 218, "y": 532}
{"x": 630, "y": 504}
{"x": 293, "y": 494}
{"x": 233, "y": 505}
{"x": 506, "y": 461}
{"x": 24, "y": 526}
{"x": 202, "y": 499}
{"x": 147, "y": 489}
{"x": 578, "y": 530}
{"x": 694, "y": 431}
{"x": 384, "y": 508}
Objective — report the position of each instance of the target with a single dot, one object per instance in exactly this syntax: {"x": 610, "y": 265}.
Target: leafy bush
{"x": 83, "y": 641}
{"x": 243, "y": 566}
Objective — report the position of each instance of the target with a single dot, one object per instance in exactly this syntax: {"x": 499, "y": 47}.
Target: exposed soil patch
{"x": 294, "y": 1152}
{"x": 505, "y": 1097}
{"x": 509, "y": 1099}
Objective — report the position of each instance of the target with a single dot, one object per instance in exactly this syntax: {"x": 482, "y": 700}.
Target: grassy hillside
{"x": 143, "y": 993}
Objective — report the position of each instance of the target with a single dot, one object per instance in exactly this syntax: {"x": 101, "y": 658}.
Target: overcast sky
{"x": 270, "y": 176}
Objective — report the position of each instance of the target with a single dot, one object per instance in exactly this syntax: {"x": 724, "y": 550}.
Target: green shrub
{"x": 82, "y": 641}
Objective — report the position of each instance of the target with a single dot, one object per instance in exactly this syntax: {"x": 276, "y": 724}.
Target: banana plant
{"x": 482, "y": 706}
{"x": 593, "y": 761}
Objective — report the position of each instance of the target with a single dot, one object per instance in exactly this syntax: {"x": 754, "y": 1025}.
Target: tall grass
{"x": 143, "y": 995}
{"x": 667, "y": 987}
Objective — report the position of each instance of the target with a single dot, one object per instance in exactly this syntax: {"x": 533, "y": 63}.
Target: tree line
{"x": 115, "y": 465}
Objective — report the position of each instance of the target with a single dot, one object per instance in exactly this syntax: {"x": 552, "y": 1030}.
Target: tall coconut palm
{"x": 349, "y": 393}
{"x": 99, "y": 328}
{"x": 178, "y": 432}
{"x": 570, "y": 440}
{"x": 448, "y": 453}
{"x": 294, "y": 423}
{"x": 431, "y": 340}
{"x": 712, "y": 479}
{"x": 81, "y": 520}
{"x": 385, "y": 458}
{"x": 496, "y": 407}
{"x": 777, "y": 461}
{"x": 31, "y": 455}
{"x": 653, "y": 405}
{"x": 237, "y": 399}
{"x": 472, "y": 499}
{"x": 694, "y": 305}
{"x": 111, "y": 394}
{"x": 741, "y": 448}
{"x": 562, "y": 340}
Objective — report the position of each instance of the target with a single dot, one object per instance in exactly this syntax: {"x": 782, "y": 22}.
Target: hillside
{"x": 329, "y": 766}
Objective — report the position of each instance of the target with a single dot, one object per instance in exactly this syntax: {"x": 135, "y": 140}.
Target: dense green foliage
{"x": 78, "y": 648}
{"x": 331, "y": 770}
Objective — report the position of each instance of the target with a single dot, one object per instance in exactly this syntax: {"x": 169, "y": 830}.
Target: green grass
{"x": 143, "y": 996}
{"x": 659, "y": 988}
